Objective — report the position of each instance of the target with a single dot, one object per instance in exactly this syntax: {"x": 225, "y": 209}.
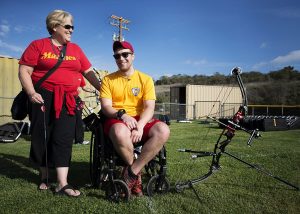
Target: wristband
{"x": 120, "y": 113}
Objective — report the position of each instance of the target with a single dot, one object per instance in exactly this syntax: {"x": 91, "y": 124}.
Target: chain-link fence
{"x": 177, "y": 111}
{"x": 202, "y": 109}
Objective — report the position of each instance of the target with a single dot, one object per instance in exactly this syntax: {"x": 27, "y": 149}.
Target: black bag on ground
{"x": 19, "y": 108}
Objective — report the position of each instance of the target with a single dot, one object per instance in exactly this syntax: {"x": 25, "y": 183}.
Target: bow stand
{"x": 224, "y": 139}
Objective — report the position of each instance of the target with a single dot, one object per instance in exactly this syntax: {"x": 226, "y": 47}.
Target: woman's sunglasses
{"x": 68, "y": 27}
{"x": 124, "y": 55}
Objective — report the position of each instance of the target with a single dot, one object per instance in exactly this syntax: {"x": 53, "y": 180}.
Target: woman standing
{"x": 53, "y": 104}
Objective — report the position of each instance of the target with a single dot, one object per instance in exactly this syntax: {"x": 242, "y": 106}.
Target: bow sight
{"x": 224, "y": 139}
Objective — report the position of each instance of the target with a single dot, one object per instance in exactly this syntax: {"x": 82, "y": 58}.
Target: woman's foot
{"x": 67, "y": 190}
{"x": 44, "y": 185}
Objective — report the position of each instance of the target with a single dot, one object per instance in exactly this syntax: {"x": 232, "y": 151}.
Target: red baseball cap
{"x": 126, "y": 45}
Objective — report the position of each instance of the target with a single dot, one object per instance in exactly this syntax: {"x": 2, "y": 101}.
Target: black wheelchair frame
{"x": 105, "y": 165}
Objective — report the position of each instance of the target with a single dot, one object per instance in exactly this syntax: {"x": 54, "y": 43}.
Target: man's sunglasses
{"x": 68, "y": 27}
{"x": 124, "y": 55}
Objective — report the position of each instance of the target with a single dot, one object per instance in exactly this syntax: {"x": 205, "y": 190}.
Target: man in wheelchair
{"x": 127, "y": 100}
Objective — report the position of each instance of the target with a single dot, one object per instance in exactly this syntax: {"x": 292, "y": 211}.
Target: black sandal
{"x": 63, "y": 192}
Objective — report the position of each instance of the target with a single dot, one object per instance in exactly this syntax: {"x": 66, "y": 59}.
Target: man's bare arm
{"x": 107, "y": 109}
{"x": 147, "y": 114}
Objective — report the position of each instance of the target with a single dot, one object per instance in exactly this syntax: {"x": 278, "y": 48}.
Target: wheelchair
{"x": 106, "y": 165}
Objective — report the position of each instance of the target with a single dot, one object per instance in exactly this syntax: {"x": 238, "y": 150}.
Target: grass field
{"x": 235, "y": 188}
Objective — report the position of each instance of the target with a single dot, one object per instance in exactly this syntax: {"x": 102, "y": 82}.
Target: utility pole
{"x": 119, "y": 22}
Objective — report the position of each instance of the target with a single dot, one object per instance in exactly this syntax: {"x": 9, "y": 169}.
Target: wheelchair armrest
{"x": 102, "y": 116}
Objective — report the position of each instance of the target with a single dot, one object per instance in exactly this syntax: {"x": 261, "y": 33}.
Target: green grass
{"x": 236, "y": 188}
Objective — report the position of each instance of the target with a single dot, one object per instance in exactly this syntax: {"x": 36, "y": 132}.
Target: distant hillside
{"x": 280, "y": 87}
{"x": 275, "y": 92}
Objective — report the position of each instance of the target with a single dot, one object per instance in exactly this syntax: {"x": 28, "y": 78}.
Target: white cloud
{"x": 4, "y": 29}
{"x": 10, "y": 47}
{"x": 289, "y": 59}
{"x": 19, "y": 29}
{"x": 259, "y": 65}
{"x": 204, "y": 64}
{"x": 293, "y": 56}
{"x": 195, "y": 62}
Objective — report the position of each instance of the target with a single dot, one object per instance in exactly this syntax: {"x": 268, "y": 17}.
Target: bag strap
{"x": 60, "y": 59}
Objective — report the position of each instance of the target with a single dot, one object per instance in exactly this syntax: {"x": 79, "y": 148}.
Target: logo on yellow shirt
{"x": 135, "y": 91}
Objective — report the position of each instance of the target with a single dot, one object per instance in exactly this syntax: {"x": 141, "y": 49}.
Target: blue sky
{"x": 169, "y": 36}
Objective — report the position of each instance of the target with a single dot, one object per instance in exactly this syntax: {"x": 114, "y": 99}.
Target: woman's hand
{"x": 36, "y": 98}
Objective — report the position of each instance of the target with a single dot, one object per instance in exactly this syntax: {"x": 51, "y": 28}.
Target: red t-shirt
{"x": 43, "y": 55}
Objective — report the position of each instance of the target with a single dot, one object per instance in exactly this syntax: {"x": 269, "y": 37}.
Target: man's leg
{"x": 158, "y": 136}
{"x": 120, "y": 137}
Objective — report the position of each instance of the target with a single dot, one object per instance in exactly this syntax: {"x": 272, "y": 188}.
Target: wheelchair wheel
{"x": 97, "y": 162}
{"x": 118, "y": 191}
{"x": 94, "y": 163}
{"x": 157, "y": 185}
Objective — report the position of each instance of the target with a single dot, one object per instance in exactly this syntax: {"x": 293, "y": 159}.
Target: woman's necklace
{"x": 56, "y": 49}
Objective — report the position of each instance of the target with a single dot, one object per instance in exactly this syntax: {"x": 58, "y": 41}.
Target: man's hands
{"x": 130, "y": 122}
{"x": 135, "y": 128}
{"x": 136, "y": 135}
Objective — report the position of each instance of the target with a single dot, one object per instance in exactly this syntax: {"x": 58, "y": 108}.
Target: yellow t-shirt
{"x": 128, "y": 92}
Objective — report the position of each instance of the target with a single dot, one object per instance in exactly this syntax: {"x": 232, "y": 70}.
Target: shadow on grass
{"x": 79, "y": 174}
{"x": 19, "y": 167}
{"x": 215, "y": 182}
{"x": 15, "y": 167}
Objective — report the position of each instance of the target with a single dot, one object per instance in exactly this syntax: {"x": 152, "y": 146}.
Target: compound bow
{"x": 224, "y": 139}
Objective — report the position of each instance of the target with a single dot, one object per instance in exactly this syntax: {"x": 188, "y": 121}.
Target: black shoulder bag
{"x": 20, "y": 107}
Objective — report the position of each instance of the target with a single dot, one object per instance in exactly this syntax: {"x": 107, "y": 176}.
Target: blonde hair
{"x": 55, "y": 18}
